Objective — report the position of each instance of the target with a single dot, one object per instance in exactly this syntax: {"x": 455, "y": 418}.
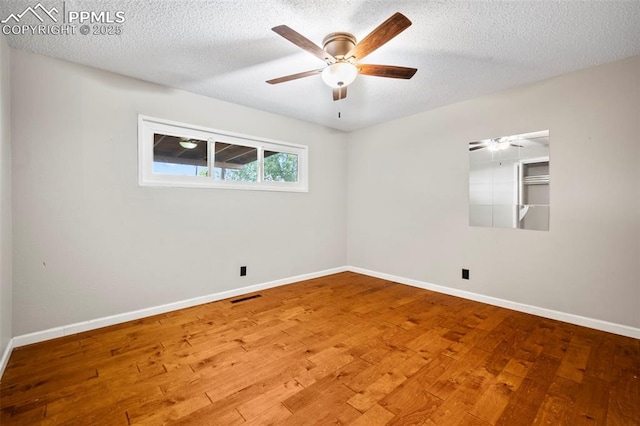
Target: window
{"x": 235, "y": 162}
{"x": 176, "y": 154}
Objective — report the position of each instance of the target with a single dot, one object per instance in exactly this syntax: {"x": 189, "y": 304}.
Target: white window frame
{"x": 147, "y": 126}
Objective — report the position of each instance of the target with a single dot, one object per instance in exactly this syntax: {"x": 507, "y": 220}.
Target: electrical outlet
{"x": 465, "y": 274}
{"x": 243, "y": 271}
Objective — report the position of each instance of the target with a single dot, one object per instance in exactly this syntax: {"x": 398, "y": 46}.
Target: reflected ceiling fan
{"x": 342, "y": 55}
{"x": 497, "y": 144}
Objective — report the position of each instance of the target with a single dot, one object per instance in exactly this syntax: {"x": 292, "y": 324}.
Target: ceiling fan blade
{"x": 517, "y": 146}
{"x": 390, "y": 71}
{"x": 382, "y": 34}
{"x": 478, "y": 143}
{"x": 339, "y": 93}
{"x": 294, "y": 76}
{"x": 303, "y": 43}
{"x": 474, "y": 148}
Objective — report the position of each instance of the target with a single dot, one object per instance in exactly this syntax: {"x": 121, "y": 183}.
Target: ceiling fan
{"x": 497, "y": 144}
{"x": 342, "y": 55}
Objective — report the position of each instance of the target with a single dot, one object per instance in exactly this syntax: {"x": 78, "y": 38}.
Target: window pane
{"x": 235, "y": 162}
{"x": 173, "y": 155}
{"x": 280, "y": 167}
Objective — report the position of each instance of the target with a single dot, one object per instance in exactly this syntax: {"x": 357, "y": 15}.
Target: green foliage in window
{"x": 249, "y": 173}
{"x": 281, "y": 167}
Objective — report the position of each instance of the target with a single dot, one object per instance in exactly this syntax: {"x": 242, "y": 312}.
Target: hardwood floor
{"x": 343, "y": 349}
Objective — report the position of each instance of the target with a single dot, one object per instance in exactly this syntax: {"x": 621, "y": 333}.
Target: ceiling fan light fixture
{"x": 340, "y": 74}
{"x": 187, "y": 143}
{"x": 499, "y": 144}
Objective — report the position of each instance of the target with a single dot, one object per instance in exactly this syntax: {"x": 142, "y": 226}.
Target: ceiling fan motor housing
{"x": 338, "y": 44}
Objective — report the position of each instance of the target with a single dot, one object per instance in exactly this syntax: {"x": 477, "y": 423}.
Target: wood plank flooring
{"x": 343, "y": 349}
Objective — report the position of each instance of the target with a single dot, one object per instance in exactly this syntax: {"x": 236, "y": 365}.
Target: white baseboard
{"x": 56, "y": 332}
{"x": 53, "y": 333}
{"x": 623, "y": 330}
{"x": 5, "y": 357}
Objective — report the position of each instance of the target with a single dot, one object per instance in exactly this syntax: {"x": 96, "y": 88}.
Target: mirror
{"x": 509, "y": 181}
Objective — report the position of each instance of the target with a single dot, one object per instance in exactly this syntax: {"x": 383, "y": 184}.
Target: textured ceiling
{"x": 462, "y": 49}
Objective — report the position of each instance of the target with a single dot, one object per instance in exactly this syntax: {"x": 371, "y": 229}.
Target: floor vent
{"x": 242, "y": 299}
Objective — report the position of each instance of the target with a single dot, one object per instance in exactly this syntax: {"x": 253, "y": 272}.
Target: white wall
{"x": 89, "y": 242}
{"x": 408, "y": 197}
{"x": 5, "y": 199}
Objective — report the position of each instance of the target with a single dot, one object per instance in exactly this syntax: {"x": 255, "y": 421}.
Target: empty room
{"x": 319, "y": 212}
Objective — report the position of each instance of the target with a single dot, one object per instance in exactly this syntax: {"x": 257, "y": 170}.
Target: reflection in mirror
{"x": 509, "y": 181}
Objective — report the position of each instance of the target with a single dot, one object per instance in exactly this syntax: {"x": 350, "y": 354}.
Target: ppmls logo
{"x": 33, "y": 11}
{"x": 40, "y": 20}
